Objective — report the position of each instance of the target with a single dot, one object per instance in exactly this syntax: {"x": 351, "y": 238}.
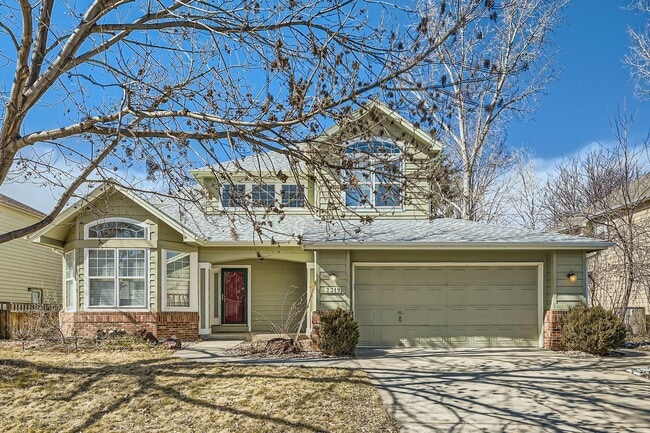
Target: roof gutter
{"x": 588, "y": 246}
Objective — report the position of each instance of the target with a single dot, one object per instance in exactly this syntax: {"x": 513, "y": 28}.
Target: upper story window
{"x": 262, "y": 195}
{"x": 116, "y": 228}
{"x": 374, "y": 178}
{"x": 293, "y": 195}
{"x": 233, "y": 195}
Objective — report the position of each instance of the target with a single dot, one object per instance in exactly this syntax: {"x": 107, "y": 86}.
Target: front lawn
{"x": 147, "y": 390}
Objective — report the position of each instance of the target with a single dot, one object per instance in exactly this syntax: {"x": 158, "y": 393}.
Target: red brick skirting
{"x": 552, "y": 331}
{"x": 163, "y": 325}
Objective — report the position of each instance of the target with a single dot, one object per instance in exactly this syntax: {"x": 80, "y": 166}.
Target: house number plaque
{"x": 333, "y": 290}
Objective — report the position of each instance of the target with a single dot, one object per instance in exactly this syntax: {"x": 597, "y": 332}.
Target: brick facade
{"x": 552, "y": 331}
{"x": 184, "y": 325}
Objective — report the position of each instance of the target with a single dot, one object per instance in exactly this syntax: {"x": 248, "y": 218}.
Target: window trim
{"x": 70, "y": 304}
{"x": 90, "y": 224}
{"x": 372, "y": 182}
{"x": 116, "y": 278}
{"x": 194, "y": 281}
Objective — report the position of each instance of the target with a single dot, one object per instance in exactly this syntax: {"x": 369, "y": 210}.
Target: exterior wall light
{"x": 572, "y": 277}
{"x": 332, "y": 278}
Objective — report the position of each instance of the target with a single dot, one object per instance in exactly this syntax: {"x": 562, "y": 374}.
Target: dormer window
{"x": 374, "y": 178}
{"x": 113, "y": 228}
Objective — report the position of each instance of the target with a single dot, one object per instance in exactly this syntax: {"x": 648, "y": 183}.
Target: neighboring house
{"x": 30, "y": 273}
{"x": 622, "y": 217}
{"x": 409, "y": 279}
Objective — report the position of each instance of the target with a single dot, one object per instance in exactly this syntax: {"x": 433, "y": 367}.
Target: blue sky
{"x": 592, "y": 83}
{"x": 576, "y": 111}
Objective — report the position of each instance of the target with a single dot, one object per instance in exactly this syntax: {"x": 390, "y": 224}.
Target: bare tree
{"x": 523, "y": 195}
{"x": 494, "y": 69}
{"x": 126, "y": 89}
{"x": 605, "y": 194}
{"x": 639, "y": 57}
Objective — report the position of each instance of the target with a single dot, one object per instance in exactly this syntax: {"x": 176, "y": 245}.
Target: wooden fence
{"x": 5, "y": 308}
{"x": 23, "y": 317}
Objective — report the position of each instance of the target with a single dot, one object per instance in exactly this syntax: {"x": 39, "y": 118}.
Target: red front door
{"x": 233, "y": 282}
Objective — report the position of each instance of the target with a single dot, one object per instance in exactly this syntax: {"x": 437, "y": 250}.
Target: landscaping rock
{"x": 146, "y": 336}
{"x": 280, "y": 346}
{"x": 172, "y": 342}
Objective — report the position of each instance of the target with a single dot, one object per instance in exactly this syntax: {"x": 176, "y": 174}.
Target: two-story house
{"x": 354, "y": 231}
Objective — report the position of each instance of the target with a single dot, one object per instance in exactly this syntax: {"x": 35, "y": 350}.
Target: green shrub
{"x": 592, "y": 330}
{"x": 339, "y": 333}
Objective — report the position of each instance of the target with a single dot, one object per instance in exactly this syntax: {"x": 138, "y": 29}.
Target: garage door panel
{"x": 460, "y": 306}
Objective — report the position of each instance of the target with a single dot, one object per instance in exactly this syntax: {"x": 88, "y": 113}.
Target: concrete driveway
{"x": 519, "y": 390}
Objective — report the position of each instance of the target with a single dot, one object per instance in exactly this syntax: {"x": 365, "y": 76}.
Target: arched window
{"x": 116, "y": 228}
{"x": 375, "y": 174}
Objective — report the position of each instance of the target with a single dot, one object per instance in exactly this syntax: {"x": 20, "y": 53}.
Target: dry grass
{"x": 146, "y": 390}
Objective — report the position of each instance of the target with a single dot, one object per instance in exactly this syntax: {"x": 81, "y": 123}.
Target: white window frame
{"x": 372, "y": 182}
{"x": 117, "y": 219}
{"x": 71, "y": 303}
{"x": 194, "y": 281}
{"x": 116, "y": 278}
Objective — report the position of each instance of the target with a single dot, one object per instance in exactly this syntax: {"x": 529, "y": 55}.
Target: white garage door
{"x": 447, "y": 306}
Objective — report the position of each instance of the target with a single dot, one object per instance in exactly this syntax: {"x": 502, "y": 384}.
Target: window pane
{"x": 69, "y": 285}
{"x": 178, "y": 265}
{"x": 358, "y": 196}
{"x": 373, "y": 146}
{"x": 131, "y": 263}
{"x": 178, "y": 293}
{"x": 387, "y": 195}
{"x": 293, "y": 195}
{"x": 263, "y": 195}
{"x": 101, "y": 263}
{"x": 233, "y": 195}
{"x": 116, "y": 229}
{"x": 69, "y": 265}
{"x": 132, "y": 293}
{"x": 102, "y": 292}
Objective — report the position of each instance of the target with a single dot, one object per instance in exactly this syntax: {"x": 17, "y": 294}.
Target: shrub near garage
{"x": 592, "y": 330}
{"x": 339, "y": 333}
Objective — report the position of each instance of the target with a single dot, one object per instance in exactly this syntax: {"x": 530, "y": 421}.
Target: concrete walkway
{"x": 217, "y": 352}
{"x": 509, "y": 390}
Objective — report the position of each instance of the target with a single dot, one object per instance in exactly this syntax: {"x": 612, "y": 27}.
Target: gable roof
{"x": 273, "y": 161}
{"x": 69, "y": 214}
{"x": 8, "y": 201}
{"x": 421, "y": 137}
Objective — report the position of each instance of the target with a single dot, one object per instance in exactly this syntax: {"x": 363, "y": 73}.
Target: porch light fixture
{"x": 572, "y": 277}
{"x": 332, "y": 278}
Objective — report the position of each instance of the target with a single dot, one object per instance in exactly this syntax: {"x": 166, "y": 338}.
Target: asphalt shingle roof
{"x": 313, "y": 233}
{"x": 442, "y": 231}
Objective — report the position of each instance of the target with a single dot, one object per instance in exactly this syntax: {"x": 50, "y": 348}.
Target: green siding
{"x": 24, "y": 264}
{"x": 337, "y": 262}
{"x": 570, "y": 293}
